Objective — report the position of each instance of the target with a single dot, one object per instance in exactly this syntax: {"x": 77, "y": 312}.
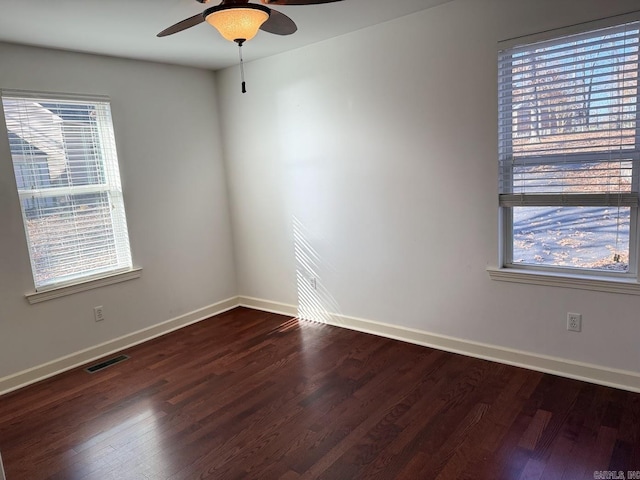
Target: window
{"x": 569, "y": 153}
{"x": 66, "y": 168}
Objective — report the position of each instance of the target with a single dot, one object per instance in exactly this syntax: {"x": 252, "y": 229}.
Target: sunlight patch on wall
{"x": 315, "y": 303}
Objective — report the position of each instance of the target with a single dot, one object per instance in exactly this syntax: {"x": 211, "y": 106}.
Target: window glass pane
{"x": 71, "y": 236}
{"x": 56, "y": 145}
{"x": 569, "y": 155}
{"x": 569, "y": 97}
{"x": 577, "y": 237}
{"x": 66, "y": 168}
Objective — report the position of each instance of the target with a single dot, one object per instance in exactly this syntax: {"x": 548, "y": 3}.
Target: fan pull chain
{"x": 616, "y": 255}
{"x": 244, "y": 86}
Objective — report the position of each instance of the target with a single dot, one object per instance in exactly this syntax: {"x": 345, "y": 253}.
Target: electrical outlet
{"x": 574, "y": 322}
{"x": 98, "y": 313}
{"x": 313, "y": 282}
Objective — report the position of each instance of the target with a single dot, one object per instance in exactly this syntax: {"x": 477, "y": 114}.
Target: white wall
{"x": 166, "y": 127}
{"x": 347, "y": 150}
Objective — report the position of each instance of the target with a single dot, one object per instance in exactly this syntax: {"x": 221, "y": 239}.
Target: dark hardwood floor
{"x": 249, "y": 394}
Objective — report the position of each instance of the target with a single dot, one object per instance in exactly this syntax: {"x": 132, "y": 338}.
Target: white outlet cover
{"x": 574, "y": 322}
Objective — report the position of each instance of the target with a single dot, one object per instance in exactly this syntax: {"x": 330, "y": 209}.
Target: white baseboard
{"x": 622, "y": 379}
{"x": 35, "y": 374}
{"x": 268, "y": 306}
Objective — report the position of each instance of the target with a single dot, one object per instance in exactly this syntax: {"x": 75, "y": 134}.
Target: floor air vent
{"x": 106, "y": 363}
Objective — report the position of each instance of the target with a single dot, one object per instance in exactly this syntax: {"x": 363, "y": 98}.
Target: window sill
{"x": 599, "y": 284}
{"x": 83, "y": 286}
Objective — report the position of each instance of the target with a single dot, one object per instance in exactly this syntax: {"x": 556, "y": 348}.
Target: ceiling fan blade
{"x": 279, "y": 24}
{"x": 183, "y": 25}
{"x": 297, "y": 2}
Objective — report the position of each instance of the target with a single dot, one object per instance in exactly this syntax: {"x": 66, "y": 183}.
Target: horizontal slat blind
{"x": 66, "y": 168}
{"x": 568, "y": 120}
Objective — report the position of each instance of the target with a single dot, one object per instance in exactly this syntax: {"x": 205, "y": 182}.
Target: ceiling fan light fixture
{"x": 237, "y": 23}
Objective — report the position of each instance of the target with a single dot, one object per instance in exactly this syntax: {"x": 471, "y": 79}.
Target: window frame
{"x": 505, "y": 213}
{"x": 88, "y": 280}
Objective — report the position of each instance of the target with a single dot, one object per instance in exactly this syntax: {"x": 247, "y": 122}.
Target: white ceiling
{"x": 128, "y": 28}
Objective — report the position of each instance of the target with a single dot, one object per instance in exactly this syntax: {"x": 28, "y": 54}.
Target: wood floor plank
{"x": 254, "y": 395}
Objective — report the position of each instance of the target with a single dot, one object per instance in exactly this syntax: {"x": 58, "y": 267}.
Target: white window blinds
{"x": 568, "y": 120}
{"x": 66, "y": 168}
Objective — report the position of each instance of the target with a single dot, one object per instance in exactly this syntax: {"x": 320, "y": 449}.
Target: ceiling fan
{"x": 240, "y": 20}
